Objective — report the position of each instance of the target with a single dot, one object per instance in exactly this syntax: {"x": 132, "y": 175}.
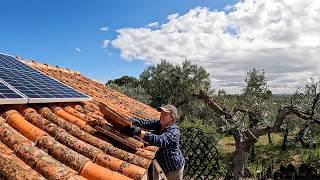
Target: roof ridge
{"x": 37, "y": 64}
{"x": 34, "y": 63}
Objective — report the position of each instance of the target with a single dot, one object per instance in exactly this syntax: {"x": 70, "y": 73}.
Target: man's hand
{"x": 133, "y": 130}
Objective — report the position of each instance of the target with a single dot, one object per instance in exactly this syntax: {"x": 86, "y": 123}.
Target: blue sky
{"x": 50, "y": 31}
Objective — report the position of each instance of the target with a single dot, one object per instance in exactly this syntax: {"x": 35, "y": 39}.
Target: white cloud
{"x": 283, "y": 37}
{"x": 105, "y": 43}
{"x": 78, "y": 49}
{"x": 104, "y": 28}
{"x": 153, "y": 25}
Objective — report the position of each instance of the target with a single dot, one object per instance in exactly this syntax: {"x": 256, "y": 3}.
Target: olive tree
{"x": 175, "y": 84}
{"x": 243, "y": 120}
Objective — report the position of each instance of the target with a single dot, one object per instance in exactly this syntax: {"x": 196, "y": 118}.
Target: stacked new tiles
{"x": 57, "y": 141}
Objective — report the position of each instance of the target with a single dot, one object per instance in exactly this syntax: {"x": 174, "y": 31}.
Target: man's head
{"x": 169, "y": 113}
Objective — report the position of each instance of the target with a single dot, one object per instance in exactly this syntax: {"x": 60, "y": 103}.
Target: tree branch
{"x": 282, "y": 113}
{"x": 302, "y": 135}
{"x": 212, "y": 104}
{"x": 256, "y": 132}
{"x": 315, "y": 100}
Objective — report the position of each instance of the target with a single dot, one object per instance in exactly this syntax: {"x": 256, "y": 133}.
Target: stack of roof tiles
{"x": 57, "y": 141}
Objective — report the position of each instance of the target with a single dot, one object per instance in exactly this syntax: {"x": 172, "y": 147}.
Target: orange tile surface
{"x": 58, "y": 140}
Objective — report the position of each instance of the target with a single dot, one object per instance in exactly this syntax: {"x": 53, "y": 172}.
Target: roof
{"x": 57, "y": 140}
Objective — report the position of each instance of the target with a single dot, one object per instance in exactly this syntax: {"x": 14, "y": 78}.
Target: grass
{"x": 226, "y": 144}
{"x": 267, "y": 154}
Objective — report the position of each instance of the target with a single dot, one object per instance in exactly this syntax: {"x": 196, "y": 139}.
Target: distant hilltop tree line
{"x": 246, "y": 116}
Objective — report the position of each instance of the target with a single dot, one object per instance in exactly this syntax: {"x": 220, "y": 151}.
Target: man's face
{"x": 166, "y": 117}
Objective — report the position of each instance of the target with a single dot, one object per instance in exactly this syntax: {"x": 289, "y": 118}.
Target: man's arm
{"x": 147, "y": 124}
{"x": 163, "y": 140}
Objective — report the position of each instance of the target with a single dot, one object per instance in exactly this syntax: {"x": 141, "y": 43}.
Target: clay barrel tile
{"x": 99, "y": 120}
{"x": 43, "y": 163}
{"x": 93, "y": 171}
{"x": 89, "y": 108}
{"x": 122, "y": 167}
{"x": 77, "y": 114}
{"x": 151, "y": 148}
{"x": 62, "y": 153}
{"x": 76, "y": 177}
{"x": 79, "y": 108}
{"x": 86, "y": 112}
{"x": 128, "y": 157}
{"x": 107, "y": 147}
{"x": 61, "y": 135}
{"x": 73, "y": 129}
{"x": 44, "y": 141}
{"x": 10, "y": 137}
{"x": 34, "y": 157}
{"x": 79, "y": 122}
{"x": 91, "y": 105}
{"x": 145, "y": 153}
{"x": 24, "y": 127}
{"x": 81, "y": 147}
{"x": 12, "y": 167}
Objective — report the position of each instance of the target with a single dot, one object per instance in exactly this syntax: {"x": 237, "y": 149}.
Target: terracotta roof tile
{"x": 11, "y": 167}
{"x": 58, "y": 141}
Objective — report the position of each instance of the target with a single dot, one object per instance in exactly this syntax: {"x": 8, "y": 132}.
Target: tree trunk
{"x": 285, "y": 140}
{"x": 269, "y": 138}
{"x": 240, "y": 159}
{"x": 252, "y": 154}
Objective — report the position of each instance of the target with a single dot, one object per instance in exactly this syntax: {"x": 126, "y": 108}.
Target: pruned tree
{"x": 245, "y": 120}
{"x": 246, "y": 136}
{"x": 255, "y": 93}
{"x": 311, "y": 96}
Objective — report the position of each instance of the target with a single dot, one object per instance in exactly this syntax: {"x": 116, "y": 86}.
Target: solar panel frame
{"x": 34, "y": 93}
{"x": 5, "y": 99}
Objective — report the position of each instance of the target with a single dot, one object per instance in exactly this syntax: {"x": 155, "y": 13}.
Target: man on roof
{"x": 165, "y": 135}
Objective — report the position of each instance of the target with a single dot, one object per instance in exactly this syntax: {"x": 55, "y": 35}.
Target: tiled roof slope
{"x": 120, "y": 102}
{"x": 57, "y": 140}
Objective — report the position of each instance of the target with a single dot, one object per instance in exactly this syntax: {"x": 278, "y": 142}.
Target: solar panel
{"x": 35, "y": 85}
{"x": 10, "y": 96}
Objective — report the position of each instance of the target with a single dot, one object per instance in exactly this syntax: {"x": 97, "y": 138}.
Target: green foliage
{"x": 125, "y": 81}
{"x": 167, "y": 83}
{"x": 312, "y": 87}
{"x": 256, "y": 84}
{"x": 198, "y": 123}
{"x": 137, "y": 92}
{"x": 222, "y": 92}
{"x": 312, "y": 155}
{"x": 255, "y": 91}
